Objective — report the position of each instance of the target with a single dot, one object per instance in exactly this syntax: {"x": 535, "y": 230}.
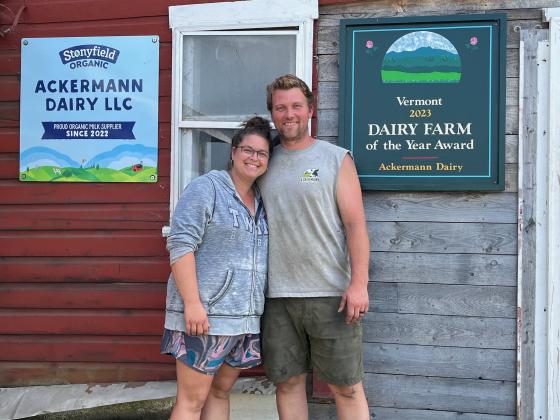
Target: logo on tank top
{"x": 310, "y": 175}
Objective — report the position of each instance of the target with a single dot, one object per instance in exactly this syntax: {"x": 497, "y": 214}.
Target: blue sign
{"x": 89, "y": 109}
{"x": 422, "y": 101}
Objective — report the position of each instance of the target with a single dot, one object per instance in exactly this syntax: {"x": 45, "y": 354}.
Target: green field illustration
{"x": 93, "y": 174}
{"x": 124, "y": 163}
{"x": 394, "y": 76}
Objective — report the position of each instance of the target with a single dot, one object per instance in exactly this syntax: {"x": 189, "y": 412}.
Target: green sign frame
{"x": 422, "y": 101}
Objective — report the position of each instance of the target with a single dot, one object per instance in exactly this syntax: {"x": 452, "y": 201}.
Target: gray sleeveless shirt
{"x": 307, "y": 245}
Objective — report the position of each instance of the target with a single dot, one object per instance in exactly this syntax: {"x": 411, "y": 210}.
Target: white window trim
{"x": 547, "y": 288}
{"x": 553, "y": 391}
{"x": 237, "y": 15}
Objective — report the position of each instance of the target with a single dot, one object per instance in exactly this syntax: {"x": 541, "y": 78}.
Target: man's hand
{"x": 196, "y": 319}
{"x": 356, "y": 300}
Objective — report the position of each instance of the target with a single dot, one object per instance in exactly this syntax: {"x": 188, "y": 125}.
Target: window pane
{"x": 203, "y": 150}
{"x": 225, "y": 76}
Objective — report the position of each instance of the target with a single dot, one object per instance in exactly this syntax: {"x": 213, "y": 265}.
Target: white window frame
{"x": 252, "y": 15}
{"x": 553, "y": 203}
{"x": 546, "y": 380}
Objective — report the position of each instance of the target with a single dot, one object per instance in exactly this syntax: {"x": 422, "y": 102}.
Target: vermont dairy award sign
{"x": 422, "y": 101}
{"x": 89, "y": 109}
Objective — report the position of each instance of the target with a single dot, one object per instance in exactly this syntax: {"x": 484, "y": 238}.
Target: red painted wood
{"x": 164, "y": 162}
{"x": 9, "y": 140}
{"x": 39, "y": 11}
{"x": 83, "y": 244}
{"x": 82, "y": 258}
{"x": 9, "y": 86}
{"x": 164, "y": 114}
{"x": 9, "y": 165}
{"x": 16, "y": 192}
{"x": 86, "y": 269}
{"x": 9, "y": 114}
{"x": 45, "y": 373}
{"x": 80, "y": 348}
{"x": 52, "y": 373}
{"x": 164, "y": 136}
{"x": 321, "y": 389}
{"x": 84, "y": 216}
{"x": 10, "y": 61}
{"x": 81, "y": 321}
{"x": 165, "y": 50}
{"x": 83, "y": 296}
{"x": 165, "y": 83}
{"x": 158, "y": 25}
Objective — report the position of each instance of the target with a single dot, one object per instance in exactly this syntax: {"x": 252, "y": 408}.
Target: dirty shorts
{"x": 300, "y": 333}
{"x": 207, "y": 353}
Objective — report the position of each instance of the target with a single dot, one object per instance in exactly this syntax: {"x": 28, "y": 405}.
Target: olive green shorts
{"x": 298, "y": 333}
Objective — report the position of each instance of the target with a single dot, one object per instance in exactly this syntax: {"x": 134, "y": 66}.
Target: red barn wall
{"x": 83, "y": 267}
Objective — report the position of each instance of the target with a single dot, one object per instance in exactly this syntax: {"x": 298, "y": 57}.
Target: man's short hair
{"x": 286, "y": 82}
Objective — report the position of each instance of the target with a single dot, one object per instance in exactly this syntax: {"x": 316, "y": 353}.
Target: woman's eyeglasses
{"x": 249, "y": 152}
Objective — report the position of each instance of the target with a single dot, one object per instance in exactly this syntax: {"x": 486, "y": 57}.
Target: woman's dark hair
{"x": 256, "y": 125}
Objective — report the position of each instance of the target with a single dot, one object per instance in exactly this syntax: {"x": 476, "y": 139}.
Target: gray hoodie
{"x": 230, "y": 249}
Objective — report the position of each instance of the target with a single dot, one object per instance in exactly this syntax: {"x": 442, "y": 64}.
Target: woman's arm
{"x": 184, "y": 272}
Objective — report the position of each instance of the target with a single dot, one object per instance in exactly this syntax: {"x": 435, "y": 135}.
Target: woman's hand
{"x": 196, "y": 319}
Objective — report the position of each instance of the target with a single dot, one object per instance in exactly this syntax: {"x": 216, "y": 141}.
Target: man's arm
{"x": 351, "y": 208}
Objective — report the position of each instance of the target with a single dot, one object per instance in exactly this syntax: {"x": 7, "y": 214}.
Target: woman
{"x": 215, "y": 294}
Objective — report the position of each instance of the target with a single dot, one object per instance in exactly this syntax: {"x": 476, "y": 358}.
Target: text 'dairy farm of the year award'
{"x": 422, "y": 101}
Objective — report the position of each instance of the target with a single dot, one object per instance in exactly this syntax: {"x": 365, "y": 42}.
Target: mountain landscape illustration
{"x": 118, "y": 158}
{"x": 421, "y": 57}
{"x": 45, "y": 156}
{"x": 124, "y": 156}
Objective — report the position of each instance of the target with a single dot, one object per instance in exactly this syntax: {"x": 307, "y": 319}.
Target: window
{"x": 224, "y": 55}
{"x": 224, "y": 75}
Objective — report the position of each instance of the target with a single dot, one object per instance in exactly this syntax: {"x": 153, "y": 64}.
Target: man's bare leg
{"x": 291, "y": 398}
{"x": 351, "y": 403}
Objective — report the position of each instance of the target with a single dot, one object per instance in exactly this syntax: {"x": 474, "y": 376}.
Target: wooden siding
{"x": 531, "y": 338}
{"x": 83, "y": 267}
{"x": 440, "y": 337}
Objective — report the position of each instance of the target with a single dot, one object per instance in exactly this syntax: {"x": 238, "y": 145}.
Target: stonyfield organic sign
{"x": 422, "y": 101}
{"x": 89, "y": 109}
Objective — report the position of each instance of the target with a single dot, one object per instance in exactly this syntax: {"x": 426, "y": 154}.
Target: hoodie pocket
{"x": 223, "y": 290}
{"x": 234, "y": 297}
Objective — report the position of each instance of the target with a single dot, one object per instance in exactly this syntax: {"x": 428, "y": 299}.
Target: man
{"x": 318, "y": 261}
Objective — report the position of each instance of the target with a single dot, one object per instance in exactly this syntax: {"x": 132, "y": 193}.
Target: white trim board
{"x": 244, "y": 12}
{"x": 541, "y": 229}
{"x": 550, "y": 12}
{"x": 553, "y": 397}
